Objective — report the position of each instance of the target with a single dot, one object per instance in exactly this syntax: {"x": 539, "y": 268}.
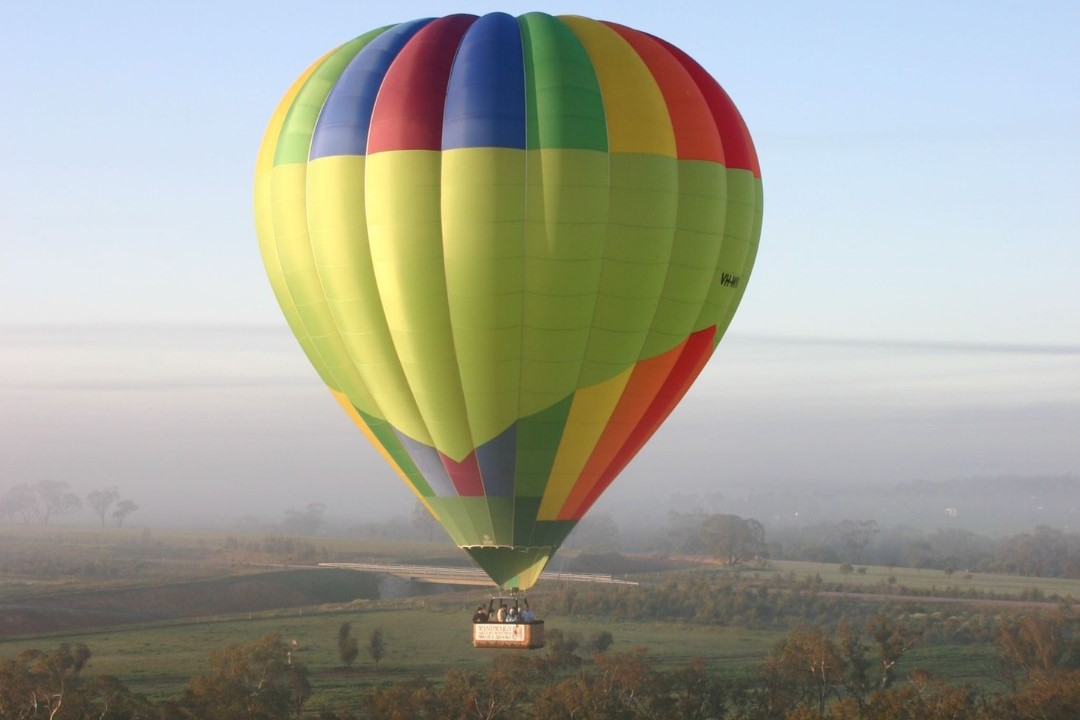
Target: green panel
{"x": 454, "y": 519}
{"x": 641, "y": 230}
{"x": 564, "y": 108}
{"x": 567, "y": 210}
{"x": 483, "y": 225}
{"x": 525, "y": 511}
{"x": 295, "y": 139}
{"x": 551, "y": 532}
{"x": 698, "y": 237}
{"x": 390, "y": 442}
{"x": 537, "y": 444}
{"x": 481, "y": 532}
{"x": 501, "y": 511}
{"x": 512, "y": 567}
{"x": 405, "y": 235}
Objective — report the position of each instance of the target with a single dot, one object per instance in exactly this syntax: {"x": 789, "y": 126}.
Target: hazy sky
{"x": 914, "y": 311}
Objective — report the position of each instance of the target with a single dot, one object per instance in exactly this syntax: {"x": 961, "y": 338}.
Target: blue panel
{"x": 342, "y": 128}
{"x": 497, "y": 458}
{"x": 485, "y": 98}
{"x": 430, "y": 465}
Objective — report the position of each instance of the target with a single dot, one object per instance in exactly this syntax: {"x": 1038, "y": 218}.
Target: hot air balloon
{"x": 508, "y": 246}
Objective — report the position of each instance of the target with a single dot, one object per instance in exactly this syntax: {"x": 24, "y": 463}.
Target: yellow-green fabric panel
{"x": 337, "y": 219}
{"x": 264, "y": 224}
{"x": 640, "y": 232}
{"x": 741, "y": 228}
{"x": 589, "y": 415}
{"x": 288, "y": 190}
{"x": 405, "y": 232}
{"x": 567, "y": 209}
{"x": 483, "y": 225}
{"x": 452, "y": 516}
{"x": 637, "y": 116}
{"x": 748, "y": 264}
{"x": 699, "y": 232}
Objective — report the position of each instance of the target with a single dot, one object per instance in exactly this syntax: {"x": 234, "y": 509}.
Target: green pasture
{"x": 422, "y": 638}
{"x": 425, "y": 636}
{"x": 875, "y": 578}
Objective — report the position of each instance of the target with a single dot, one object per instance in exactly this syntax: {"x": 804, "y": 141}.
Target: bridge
{"x": 465, "y": 575}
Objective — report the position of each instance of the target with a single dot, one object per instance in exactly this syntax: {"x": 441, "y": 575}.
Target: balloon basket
{"x": 508, "y": 636}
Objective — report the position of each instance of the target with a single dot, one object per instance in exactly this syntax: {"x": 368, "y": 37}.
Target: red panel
{"x": 465, "y": 475}
{"x": 696, "y": 352}
{"x": 408, "y": 113}
{"x": 696, "y": 136}
{"x": 738, "y": 147}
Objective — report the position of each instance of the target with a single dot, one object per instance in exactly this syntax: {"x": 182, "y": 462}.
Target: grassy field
{"x": 186, "y": 576}
{"x": 422, "y": 639}
{"x": 875, "y": 577}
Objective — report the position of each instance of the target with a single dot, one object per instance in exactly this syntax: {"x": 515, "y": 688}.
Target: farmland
{"x": 152, "y": 607}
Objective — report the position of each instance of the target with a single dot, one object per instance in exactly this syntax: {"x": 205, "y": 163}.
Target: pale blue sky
{"x": 914, "y": 311}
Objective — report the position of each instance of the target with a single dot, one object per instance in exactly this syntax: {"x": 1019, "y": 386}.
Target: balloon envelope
{"x": 508, "y": 246}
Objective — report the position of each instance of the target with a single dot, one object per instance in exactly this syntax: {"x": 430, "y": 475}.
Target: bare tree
{"x": 102, "y": 500}
{"x": 56, "y": 499}
{"x": 20, "y": 503}
{"x": 423, "y": 522}
{"x": 123, "y": 509}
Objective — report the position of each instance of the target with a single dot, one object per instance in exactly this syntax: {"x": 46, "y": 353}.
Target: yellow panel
{"x": 589, "y": 415}
{"x": 634, "y": 108}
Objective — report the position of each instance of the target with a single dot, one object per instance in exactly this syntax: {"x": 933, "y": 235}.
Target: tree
{"x": 601, "y": 641}
{"x": 376, "y": 647}
{"x": 348, "y": 648}
{"x": 1033, "y": 645}
{"x": 732, "y": 537}
{"x": 423, "y": 522}
{"x": 38, "y": 684}
{"x": 260, "y": 680}
{"x": 892, "y": 640}
{"x": 102, "y": 500}
{"x": 856, "y": 536}
{"x": 56, "y": 499}
{"x": 20, "y": 502}
{"x": 123, "y": 509}
{"x": 307, "y": 521}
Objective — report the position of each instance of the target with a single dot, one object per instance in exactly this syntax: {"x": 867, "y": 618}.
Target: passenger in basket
{"x": 512, "y": 616}
{"x": 501, "y": 614}
{"x": 528, "y": 616}
{"x": 480, "y": 616}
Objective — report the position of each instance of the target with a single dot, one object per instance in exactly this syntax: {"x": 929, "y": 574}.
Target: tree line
{"x": 1044, "y": 552}
{"x": 840, "y": 672}
{"x": 44, "y": 500}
